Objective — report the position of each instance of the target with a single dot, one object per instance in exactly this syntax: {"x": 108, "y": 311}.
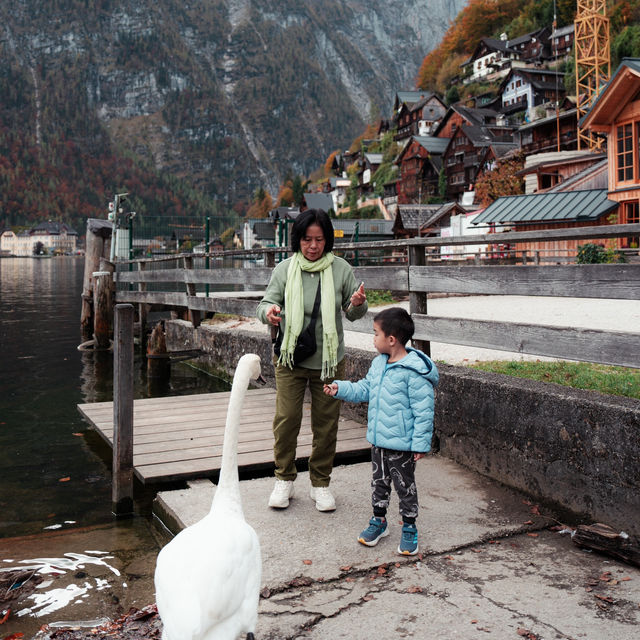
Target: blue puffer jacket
{"x": 400, "y": 397}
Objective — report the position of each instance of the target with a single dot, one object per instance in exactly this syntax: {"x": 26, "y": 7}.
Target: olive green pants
{"x": 325, "y": 411}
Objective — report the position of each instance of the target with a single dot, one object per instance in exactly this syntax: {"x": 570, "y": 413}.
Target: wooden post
{"x": 98, "y": 234}
{"x": 418, "y": 300}
{"x": 194, "y": 315}
{"x": 103, "y": 308}
{"x": 142, "y": 312}
{"x": 122, "y": 489}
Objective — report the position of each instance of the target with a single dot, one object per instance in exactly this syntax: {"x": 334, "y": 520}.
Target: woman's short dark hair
{"x": 304, "y": 221}
{"x": 395, "y": 322}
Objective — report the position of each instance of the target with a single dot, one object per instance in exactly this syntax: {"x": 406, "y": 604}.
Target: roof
{"x": 563, "y": 31}
{"x": 588, "y": 205}
{"x": 373, "y": 158}
{"x": 419, "y": 216}
{"x": 53, "y": 228}
{"x": 322, "y": 201}
{"x": 366, "y": 227}
{"x": 409, "y": 97}
{"x": 614, "y": 96}
{"x": 432, "y": 144}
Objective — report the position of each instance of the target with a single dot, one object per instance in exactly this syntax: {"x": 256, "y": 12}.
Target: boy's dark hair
{"x": 396, "y": 322}
{"x": 304, "y": 221}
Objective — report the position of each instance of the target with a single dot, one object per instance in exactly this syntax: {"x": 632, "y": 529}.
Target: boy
{"x": 399, "y": 388}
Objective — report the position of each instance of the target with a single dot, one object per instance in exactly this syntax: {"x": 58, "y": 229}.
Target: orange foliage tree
{"x": 479, "y": 19}
{"x": 502, "y": 181}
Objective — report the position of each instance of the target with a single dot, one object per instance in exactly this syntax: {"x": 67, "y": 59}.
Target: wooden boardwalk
{"x": 180, "y": 437}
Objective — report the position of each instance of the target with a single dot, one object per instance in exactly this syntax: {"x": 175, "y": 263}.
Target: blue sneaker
{"x": 377, "y": 529}
{"x": 409, "y": 541}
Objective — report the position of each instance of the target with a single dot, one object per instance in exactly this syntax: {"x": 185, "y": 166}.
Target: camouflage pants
{"x": 397, "y": 467}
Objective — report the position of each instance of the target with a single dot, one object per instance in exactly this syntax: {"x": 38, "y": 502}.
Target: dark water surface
{"x": 55, "y": 482}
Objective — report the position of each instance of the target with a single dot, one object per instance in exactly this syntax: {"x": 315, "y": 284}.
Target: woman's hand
{"x": 273, "y": 315}
{"x": 359, "y": 296}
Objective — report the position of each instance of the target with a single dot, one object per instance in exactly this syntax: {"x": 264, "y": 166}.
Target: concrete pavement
{"x": 490, "y": 566}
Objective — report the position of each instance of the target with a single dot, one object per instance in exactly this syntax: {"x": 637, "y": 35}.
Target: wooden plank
{"x": 388, "y": 277}
{"x": 588, "y": 345}
{"x": 181, "y": 437}
{"x": 580, "y": 281}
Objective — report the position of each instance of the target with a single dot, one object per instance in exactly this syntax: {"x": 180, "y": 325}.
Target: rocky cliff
{"x": 231, "y": 94}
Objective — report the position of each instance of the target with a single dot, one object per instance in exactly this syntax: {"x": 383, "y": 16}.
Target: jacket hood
{"x": 421, "y": 363}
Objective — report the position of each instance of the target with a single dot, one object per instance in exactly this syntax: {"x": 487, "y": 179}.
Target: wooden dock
{"x": 180, "y": 437}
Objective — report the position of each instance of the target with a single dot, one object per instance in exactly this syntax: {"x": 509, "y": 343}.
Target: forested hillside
{"x": 191, "y": 106}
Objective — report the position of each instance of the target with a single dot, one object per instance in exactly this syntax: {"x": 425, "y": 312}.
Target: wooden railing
{"x": 418, "y": 279}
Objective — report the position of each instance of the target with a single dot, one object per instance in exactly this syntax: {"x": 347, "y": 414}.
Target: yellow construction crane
{"x": 593, "y": 62}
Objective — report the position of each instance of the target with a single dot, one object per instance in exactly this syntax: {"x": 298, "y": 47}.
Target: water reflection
{"x": 52, "y": 472}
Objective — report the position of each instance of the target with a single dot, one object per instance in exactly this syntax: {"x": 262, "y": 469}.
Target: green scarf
{"x": 294, "y": 308}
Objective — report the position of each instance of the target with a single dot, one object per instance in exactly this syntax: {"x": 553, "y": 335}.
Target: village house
{"x": 418, "y": 118}
{"x": 541, "y": 135}
{"x": 529, "y": 89}
{"x": 471, "y": 150}
{"x": 561, "y": 41}
{"x": 616, "y": 114}
{"x": 532, "y": 48}
{"x": 50, "y": 237}
{"x": 420, "y": 163}
{"x": 421, "y": 220}
{"x": 491, "y": 60}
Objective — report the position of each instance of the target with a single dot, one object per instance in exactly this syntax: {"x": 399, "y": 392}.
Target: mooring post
{"x": 102, "y": 308}
{"x": 122, "y": 490}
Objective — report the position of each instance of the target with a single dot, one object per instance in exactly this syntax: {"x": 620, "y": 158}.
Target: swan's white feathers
{"x": 207, "y": 578}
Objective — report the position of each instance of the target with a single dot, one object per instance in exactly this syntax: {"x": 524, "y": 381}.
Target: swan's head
{"x": 251, "y": 362}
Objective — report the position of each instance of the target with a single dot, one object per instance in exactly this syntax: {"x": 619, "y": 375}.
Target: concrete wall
{"x": 576, "y": 450}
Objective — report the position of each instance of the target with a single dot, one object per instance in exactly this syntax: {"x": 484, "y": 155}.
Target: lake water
{"x": 56, "y": 479}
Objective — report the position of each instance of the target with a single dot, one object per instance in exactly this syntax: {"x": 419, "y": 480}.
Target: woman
{"x": 288, "y": 304}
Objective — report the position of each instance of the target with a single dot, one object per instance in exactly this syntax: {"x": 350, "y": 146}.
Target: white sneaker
{"x": 324, "y": 498}
{"x": 282, "y": 491}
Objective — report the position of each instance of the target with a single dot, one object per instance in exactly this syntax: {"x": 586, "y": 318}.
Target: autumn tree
{"x": 501, "y": 181}
{"x": 261, "y": 205}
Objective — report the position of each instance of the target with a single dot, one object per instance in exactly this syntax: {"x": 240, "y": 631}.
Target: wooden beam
{"x": 587, "y": 345}
{"x": 580, "y": 281}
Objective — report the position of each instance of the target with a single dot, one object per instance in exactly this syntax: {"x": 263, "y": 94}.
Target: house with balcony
{"x": 491, "y": 60}
{"x": 616, "y": 114}
{"x": 554, "y": 132}
{"x": 419, "y": 165}
{"x": 561, "y": 42}
{"x": 530, "y": 89}
{"x": 419, "y": 117}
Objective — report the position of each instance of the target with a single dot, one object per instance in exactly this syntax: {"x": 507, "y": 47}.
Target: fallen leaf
{"x": 414, "y": 589}
{"x": 348, "y": 579}
{"x": 528, "y": 522}
{"x": 606, "y": 576}
{"x": 381, "y": 571}
{"x": 64, "y": 479}
{"x": 346, "y": 568}
{"x": 474, "y": 621}
{"x": 476, "y": 550}
{"x": 14, "y": 636}
{"x": 307, "y": 562}
{"x": 535, "y": 510}
{"x": 80, "y": 435}
{"x": 532, "y": 535}
{"x": 625, "y": 579}
{"x": 448, "y": 557}
{"x": 367, "y": 598}
{"x": 4, "y": 618}
{"x": 608, "y": 599}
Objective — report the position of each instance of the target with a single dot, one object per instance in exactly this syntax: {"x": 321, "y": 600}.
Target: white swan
{"x": 207, "y": 578}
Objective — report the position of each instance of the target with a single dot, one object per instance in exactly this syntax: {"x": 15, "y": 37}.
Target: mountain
{"x": 228, "y": 95}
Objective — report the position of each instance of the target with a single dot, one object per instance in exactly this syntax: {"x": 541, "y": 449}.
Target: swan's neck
{"x": 228, "y": 490}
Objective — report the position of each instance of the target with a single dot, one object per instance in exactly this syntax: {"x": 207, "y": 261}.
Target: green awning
{"x": 564, "y": 206}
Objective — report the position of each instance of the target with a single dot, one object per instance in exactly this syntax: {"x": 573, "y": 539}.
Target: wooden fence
{"x": 408, "y": 270}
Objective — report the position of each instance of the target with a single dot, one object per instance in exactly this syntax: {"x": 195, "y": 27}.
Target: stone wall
{"x": 575, "y": 450}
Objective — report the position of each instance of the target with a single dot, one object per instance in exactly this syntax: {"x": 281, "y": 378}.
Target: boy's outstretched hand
{"x": 331, "y": 389}
{"x": 418, "y": 456}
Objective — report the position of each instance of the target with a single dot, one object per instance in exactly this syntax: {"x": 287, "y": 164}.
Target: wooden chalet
{"x": 541, "y": 135}
{"x": 471, "y": 150}
{"x": 418, "y": 118}
{"x": 534, "y": 47}
{"x": 561, "y": 41}
{"x": 490, "y": 60}
{"x": 420, "y": 163}
{"x": 550, "y": 210}
{"x": 545, "y": 171}
{"x": 526, "y": 89}
{"x": 422, "y": 220}
{"x": 458, "y": 114}
{"x": 616, "y": 114}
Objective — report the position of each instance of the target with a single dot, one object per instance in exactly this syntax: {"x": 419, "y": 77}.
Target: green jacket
{"x": 344, "y": 284}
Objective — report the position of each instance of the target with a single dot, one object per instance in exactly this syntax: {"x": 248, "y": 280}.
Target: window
{"x": 624, "y": 152}
{"x": 631, "y": 214}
